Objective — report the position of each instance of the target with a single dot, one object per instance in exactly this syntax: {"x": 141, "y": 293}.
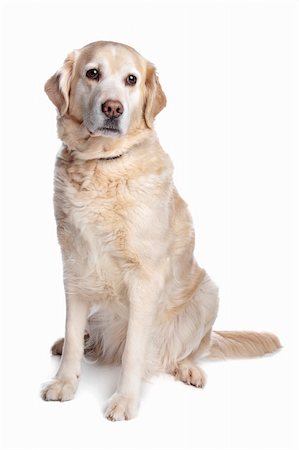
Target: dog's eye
{"x": 93, "y": 74}
{"x": 131, "y": 80}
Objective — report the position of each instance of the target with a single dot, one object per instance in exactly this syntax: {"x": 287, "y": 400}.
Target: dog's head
{"x": 108, "y": 88}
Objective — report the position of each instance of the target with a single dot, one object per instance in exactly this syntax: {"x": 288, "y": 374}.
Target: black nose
{"x": 112, "y": 108}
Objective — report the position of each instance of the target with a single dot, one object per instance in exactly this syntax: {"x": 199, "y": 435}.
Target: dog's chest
{"x": 91, "y": 199}
{"x": 94, "y": 211}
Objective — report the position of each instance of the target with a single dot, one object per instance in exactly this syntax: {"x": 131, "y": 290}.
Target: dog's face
{"x": 108, "y": 88}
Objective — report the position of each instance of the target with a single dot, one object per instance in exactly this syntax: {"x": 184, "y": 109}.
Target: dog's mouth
{"x": 109, "y": 128}
{"x": 105, "y": 131}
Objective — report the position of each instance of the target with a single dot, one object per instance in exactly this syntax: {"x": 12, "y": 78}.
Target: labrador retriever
{"x": 134, "y": 293}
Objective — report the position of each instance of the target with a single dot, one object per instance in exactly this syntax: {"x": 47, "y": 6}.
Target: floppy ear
{"x": 58, "y": 86}
{"x": 155, "y": 99}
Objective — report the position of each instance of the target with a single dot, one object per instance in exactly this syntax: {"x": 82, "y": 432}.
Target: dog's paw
{"x": 57, "y": 347}
{"x": 190, "y": 374}
{"x": 59, "y": 390}
{"x": 121, "y": 408}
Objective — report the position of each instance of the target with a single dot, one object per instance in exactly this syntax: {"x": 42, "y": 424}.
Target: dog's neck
{"x": 109, "y": 158}
{"x": 76, "y": 139}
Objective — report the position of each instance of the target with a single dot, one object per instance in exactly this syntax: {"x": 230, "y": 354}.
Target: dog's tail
{"x": 242, "y": 344}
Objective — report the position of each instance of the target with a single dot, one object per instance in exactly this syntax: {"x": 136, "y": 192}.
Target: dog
{"x": 135, "y": 295}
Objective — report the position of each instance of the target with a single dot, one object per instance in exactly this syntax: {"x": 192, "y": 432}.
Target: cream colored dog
{"x": 134, "y": 292}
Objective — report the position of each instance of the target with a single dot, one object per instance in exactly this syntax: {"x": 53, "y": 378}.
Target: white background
{"x": 230, "y": 72}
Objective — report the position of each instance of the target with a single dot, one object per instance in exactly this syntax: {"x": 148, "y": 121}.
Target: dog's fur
{"x": 134, "y": 292}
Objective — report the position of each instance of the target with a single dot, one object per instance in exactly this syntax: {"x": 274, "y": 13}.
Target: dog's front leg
{"x": 143, "y": 295}
{"x": 65, "y": 383}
